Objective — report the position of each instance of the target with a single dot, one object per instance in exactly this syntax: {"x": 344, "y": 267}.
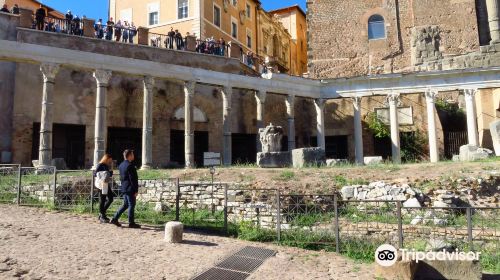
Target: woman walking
{"x": 103, "y": 177}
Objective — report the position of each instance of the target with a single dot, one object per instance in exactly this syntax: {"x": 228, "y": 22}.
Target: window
{"x": 153, "y": 13}
{"x": 249, "y": 38}
{"x": 234, "y": 28}
{"x": 216, "y": 15}
{"x": 376, "y": 27}
{"x": 183, "y": 8}
{"x": 249, "y": 12}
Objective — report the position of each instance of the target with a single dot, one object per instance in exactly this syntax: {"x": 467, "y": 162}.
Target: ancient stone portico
{"x": 268, "y": 98}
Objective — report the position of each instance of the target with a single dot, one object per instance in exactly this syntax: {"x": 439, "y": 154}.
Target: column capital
{"x": 102, "y": 77}
{"x": 320, "y": 103}
{"x": 149, "y": 82}
{"x": 189, "y": 87}
{"x": 261, "y": 96}
{"x": 430, "y": 94}
{"x": 356, "y": 100}
{"x": 470, "y": 92}
{"x": 49, "y": 71}
{"x": 290, "y": 105}
{"x": 393, "y": 97}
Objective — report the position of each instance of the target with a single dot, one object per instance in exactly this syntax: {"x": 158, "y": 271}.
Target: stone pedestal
{"x": 495, "y": 136}
{"x": 308, "y": 157}
{"x": 234, "y": 51}
{"x": 26, "y": 18}
{"x": 191, "y": 43}
{"x": 173, "y": 232}
{"x": 273, "y": 160}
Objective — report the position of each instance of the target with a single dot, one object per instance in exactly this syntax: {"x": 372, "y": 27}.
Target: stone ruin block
{"x": 308, "y": 157}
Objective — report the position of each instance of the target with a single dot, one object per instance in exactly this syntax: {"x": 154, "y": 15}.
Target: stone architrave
{"x": 100, "y": 130}
{"x": 49, "y": 72}
{"x": 495, "y": 136}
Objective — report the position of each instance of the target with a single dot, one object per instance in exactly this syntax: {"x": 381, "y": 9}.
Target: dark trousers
{"x": 40, "y": 23}
{"x": 105, "y": 201}
{"x": 128, "y": 203}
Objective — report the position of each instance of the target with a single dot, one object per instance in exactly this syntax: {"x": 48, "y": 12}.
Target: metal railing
{"x": 314, "y": 221}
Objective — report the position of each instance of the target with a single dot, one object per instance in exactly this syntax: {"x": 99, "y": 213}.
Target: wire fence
{"x": 311, "y": 221}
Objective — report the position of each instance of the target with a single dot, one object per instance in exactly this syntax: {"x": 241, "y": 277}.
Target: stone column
{"x": 290, "y": 111}
{"x": 393, "y": 100}
{"x": 320, "y": 122}
{"x": 188, "y": 124}
{"x": 100, "y": 130}
{"x": 430, "y": 96}
{"x": 470, "y": 105}
{"x": 49, "y": 72}
{"x": 260, "y": 98}
{"x": 147, "y": 123}
{"x": 227, "y": 97}
{"x": 358, "y": 131}
{"x": 494, "y": 22}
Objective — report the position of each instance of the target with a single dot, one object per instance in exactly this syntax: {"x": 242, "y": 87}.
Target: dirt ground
{"x": 328, "y": 179}
{"x": 39, "y": 244}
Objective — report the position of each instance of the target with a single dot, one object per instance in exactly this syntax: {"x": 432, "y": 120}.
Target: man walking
{"x": 129, "y": 188}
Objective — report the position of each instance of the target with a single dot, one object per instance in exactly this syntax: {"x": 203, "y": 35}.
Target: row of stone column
{"x": 103, "y": 77}
{"x": 393, "y": 100}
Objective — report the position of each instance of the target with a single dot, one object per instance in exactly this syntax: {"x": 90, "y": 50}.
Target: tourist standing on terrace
{"x": 76, "y": 26}
{"x": 109, "y": 29}
{"x": 99, "y": 32}
{"x": 125, "y": 32}
{"x": 178, "y": 40}
{"x": 132, "y": 32}
{"x": 15, "y": 9}
{"x": 69, "y": 22}
{"x": 170, "y": 40}
{"x": 106, "y": 194}
{"x": 5, "y": 9}
{"x": 129, "y": 188}
{"x": 40, "y": 15}
{"x": 118, "y": 31}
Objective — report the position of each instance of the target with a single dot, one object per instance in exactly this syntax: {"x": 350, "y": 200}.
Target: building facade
{"x": 293, "y": 19}
{"x": 371, "y": 38}
{"x": 33, "y": 5}
{"x": 243, "y": 22}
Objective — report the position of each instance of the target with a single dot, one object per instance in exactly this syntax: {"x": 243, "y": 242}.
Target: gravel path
{"x": 38, "y": 244}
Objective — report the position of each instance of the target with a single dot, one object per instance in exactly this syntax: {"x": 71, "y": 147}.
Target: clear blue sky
{"x": 99, "y": 8}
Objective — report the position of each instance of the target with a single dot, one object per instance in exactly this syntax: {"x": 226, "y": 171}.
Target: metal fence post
{"x": 225, "y": 209}
{"x": 400, "y": 225}
{"x": 469, "y": 228}
{"x": 177, "y": 200}
{"x": 92, "y": 193}
{"x": 278, "y": 215}
{"x": 54, "y": 193}
{"x": 337, "y": 230}
{"x": 19, "y": 185}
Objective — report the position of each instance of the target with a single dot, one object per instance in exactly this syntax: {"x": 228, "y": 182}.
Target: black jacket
{"x": 40, "y": 13}
{"x": 128, "y": 178}
{"x": 102, "y": 167}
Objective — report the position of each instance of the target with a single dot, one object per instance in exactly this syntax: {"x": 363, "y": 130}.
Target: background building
{"x": 32, "y": 5}
{"x": 369, "y": 38}
{"x": 240, "y": 21}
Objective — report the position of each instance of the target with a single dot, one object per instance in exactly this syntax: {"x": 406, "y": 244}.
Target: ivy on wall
{"x": 379, "y": 129}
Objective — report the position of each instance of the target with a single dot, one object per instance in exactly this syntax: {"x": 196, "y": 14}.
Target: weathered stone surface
{"x": 495, "y": 136}
{"x": 270, "y": 137}
{"x": 460, "y": 270}
{"x": 373, "y": 160}
{"x": 273, "y": 160}
{"x": 401, "y": 270}
{"x": 173, "y": 232}
{"x": 473, "y": 153}
{"x": 308, "y": 156}
{"x": 347, "y": 192}
{"x": 412, "y": 203}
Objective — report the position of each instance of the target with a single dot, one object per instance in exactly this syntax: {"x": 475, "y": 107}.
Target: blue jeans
{"x": 128, "y": 203}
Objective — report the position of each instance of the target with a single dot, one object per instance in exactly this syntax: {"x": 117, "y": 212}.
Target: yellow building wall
{"x": 31, "y": 5}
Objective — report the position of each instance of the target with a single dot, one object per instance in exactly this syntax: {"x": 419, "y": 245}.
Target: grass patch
{"x": 153, "y": 174}
{"x": 286, "y": 176}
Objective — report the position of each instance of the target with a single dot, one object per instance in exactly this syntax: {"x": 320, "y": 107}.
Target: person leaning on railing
{"x": 99, "y": 31}
{"x": 109, "y": 29}
{"x": 40, "y": 15}
{"x": 4, "y": 9}
{"x": 118, "y": 30}
{"x": 15, "y": 9}
{"x": 69, "y": 22}
{"x": 131, "y": 33}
